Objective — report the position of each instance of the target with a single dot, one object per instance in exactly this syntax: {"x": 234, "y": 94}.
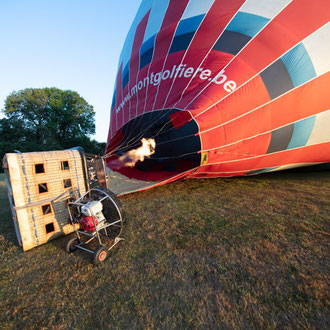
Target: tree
{"x": 46, "y": 119}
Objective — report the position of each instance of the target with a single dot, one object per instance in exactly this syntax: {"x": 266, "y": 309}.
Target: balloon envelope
{"x": 223, "y": 88}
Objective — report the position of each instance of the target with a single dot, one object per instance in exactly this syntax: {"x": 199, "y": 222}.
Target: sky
{"x": 68, "y": 44}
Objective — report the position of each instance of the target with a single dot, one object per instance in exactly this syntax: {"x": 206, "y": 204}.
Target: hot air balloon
{"x": 220, "y": 88}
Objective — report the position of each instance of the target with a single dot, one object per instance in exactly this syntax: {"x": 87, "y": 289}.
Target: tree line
{"x": 41, "y": 119}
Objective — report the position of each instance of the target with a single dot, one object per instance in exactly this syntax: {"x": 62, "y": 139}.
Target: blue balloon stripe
{"x": 125, "y": 76}
{"x": 113, "y": 100}
{"x": 146, "y": 51}
{"x": 147, "y": 45}
{"x": 301, "y": 132}
{"x": 185, "y": 32}
{"x": 189, "y": 25}
{"x": 239, "y": 32}
{"x": 299, "y": 65}
{"x": 248, "y": 24}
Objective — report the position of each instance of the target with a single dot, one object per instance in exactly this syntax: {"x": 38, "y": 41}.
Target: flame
{"x": 133, "y": 156}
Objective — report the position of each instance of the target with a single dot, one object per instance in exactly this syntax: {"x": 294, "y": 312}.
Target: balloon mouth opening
{"x": 156, "y": 146}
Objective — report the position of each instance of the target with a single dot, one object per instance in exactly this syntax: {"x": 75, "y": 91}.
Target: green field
{"x": 214, "y": 253}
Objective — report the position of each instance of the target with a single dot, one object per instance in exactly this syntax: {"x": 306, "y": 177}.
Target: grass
{"x": 217, "y": 253}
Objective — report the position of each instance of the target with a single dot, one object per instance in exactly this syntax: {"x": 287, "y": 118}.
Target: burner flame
{"x": 133, "y": 156}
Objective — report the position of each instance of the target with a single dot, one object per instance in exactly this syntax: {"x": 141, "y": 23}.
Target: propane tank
{"x": 87, "y": 223}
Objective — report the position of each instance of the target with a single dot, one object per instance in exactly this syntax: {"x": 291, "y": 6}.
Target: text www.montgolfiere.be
{"x": 180, "y": 71}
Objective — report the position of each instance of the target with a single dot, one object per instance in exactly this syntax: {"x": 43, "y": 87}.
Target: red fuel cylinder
{"x": 87, "y": 223}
